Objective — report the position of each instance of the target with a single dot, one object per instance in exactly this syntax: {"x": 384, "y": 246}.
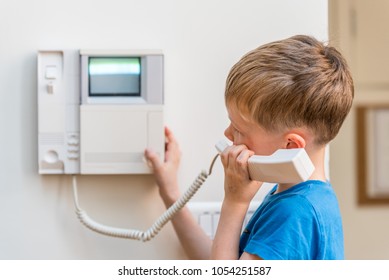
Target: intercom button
{"x": 73, "y": 139}
{"x": 73, "y": 156}
{"x": 73, "y": 149}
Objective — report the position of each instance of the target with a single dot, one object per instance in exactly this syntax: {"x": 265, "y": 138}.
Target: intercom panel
{"x": 98, "y": 110}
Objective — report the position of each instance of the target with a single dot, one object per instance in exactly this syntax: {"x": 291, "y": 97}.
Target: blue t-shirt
{"x": 300, "y": 223}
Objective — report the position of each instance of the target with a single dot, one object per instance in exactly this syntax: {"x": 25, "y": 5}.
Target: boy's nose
{"x": 228, "y": 134}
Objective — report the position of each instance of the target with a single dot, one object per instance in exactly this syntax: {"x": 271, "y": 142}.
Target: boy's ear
{"x": 294, "y": 141}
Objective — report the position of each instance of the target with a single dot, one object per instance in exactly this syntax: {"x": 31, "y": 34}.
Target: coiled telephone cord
{"x": 158, "y": 224}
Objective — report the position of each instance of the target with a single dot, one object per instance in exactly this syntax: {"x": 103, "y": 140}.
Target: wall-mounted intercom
{"x": 99, "y": 110}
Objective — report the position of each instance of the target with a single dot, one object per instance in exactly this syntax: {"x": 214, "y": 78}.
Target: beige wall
{"x": 36, "y": 212}
{"x": 366, "y": 227}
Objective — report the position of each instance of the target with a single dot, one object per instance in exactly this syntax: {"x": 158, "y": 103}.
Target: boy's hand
{"x": 166, "y": 172}
{"x": 239, "y": 191}
{"x": 237, "y": 184}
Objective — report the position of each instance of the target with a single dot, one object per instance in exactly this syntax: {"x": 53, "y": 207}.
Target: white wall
{"x": 200, "y": 39}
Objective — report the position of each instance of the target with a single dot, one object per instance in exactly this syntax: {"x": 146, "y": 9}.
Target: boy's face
{"x": 243, "y": 131}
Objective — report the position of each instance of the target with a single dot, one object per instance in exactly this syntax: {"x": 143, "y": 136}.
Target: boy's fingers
{"x": 152, "y": 159}
{"x": 169, "y": 135}
{"x": 243, "y": 157}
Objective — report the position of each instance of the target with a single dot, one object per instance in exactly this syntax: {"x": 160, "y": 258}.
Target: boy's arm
{"x": 239, "y": 191}
{"x": 197, "y": 245}
{"x": 195, "y": 242}
{"x": 226, "y": 242}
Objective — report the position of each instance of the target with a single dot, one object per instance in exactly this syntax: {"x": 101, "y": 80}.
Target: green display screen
{"x": 114, "y": 76}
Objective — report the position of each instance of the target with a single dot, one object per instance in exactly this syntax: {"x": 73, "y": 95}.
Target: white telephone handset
{"x": 283, "y": 166}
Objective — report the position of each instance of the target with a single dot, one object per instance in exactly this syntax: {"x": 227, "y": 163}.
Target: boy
{"x": 292, "y": 93}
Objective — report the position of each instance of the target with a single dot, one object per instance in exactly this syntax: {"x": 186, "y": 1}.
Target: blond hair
{"x": 296, "y": 82}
